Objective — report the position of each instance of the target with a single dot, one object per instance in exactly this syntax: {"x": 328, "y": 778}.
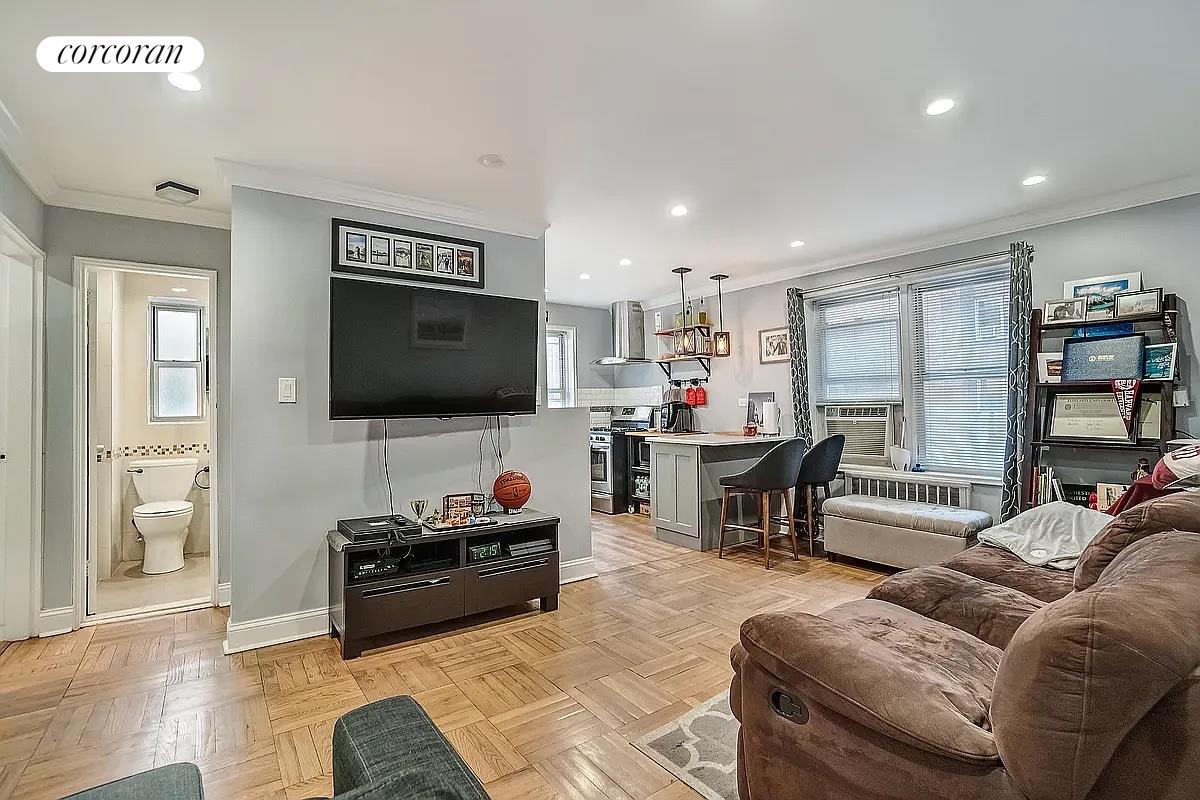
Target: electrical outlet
{"x": 743, "y": 402}
{"x": 287, "y": 390}
{"x": 1180, "y": 398}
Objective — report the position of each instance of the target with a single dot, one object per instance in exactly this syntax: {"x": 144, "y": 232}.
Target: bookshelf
{"x": 1040, "y": 446}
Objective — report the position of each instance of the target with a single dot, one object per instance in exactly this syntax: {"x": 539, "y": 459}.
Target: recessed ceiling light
{"x": 583, "y": 276}
{"x": 184, "y": 80}
{"x": 178, "y": 290}
{"x": 939, "y": 106}
{"x": 625, "y": 262}
{"x": 797, "y": 243}
{"x": 492, "y": 160}
{"x": 678, "y": 211}
{"x": 1033, "y": 180}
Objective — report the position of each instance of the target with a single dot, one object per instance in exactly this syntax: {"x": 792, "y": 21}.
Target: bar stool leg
{"x": 808, "y": 498}
{"x": 791, "y": 522}
{"x": 724, "y": 520}
{"x": 766, "y": 530}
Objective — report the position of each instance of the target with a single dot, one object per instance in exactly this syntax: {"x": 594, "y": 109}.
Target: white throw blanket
{"x": 1052, "y": 535}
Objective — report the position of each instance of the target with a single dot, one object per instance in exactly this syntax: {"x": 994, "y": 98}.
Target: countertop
{"x": 714, "y": 439}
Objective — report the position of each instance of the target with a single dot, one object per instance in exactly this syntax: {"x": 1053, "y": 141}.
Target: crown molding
{"x": 1014, "y": 223}
{"x": 137, "y": 207}
{"x": 300, "y": 184}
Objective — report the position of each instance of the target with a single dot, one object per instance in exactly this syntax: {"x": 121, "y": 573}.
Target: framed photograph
{"x": 1138, "y": 304}
{"x": 1159, "y": 361}
{"x": 1107, "y": 287}
{"x": 1107, "y": 495}
{"x": 365, "y": 248}
{"x": 466, "y": 264}
{"x": 773, "y": 346}
{"x": 754, "y": 406}
{"x": 381, "y": 254}
{"x": 425, "y": 257}
{"x": 1050, "y": 367}
{"x": 1072, "y": 309}
{"x": 356, "y": 248}
{"x": 401, "y": 254}
{"x": 1085, "y": 417}
{"x": 445, "y": 260}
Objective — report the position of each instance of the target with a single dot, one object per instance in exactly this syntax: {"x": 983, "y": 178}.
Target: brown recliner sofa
{"x": 986, "y": 678}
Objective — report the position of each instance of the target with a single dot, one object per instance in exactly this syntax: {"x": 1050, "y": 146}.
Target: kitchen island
{"x": 685, "y": 489}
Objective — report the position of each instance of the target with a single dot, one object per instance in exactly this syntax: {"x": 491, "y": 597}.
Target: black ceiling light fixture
{"x": 722, "y": 341}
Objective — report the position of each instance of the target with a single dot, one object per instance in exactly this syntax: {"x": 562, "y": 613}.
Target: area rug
{"x": 699, "y": 748}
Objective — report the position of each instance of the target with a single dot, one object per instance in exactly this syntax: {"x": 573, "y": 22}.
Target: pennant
{"x": 1127, "y": 393}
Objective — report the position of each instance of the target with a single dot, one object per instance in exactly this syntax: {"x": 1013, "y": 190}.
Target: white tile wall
{"x": 624, "y": 396}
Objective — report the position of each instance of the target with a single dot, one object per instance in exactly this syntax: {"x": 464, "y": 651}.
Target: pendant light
{"x": 722, "y": 342}
{"x": 685, "y": 342}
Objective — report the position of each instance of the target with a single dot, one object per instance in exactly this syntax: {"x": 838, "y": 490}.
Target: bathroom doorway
{"x": 148, "y": 522}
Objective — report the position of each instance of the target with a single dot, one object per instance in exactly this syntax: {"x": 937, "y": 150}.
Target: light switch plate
{"x": 287, "y": 390}
{"x": 743, "y": 402}
{"x": 1180, "y": 398}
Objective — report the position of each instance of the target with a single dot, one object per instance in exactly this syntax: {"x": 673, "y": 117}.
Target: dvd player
{"x": 378, "y": 529}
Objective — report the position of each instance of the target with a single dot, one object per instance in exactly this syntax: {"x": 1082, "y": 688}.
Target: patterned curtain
{"x": 1020, "y": 259}
{"x": 801, "y": 409}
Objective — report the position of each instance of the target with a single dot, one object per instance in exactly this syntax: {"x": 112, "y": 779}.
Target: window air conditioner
{"x": 868, "y": 430}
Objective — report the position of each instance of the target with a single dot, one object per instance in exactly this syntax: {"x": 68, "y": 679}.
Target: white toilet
{"x": 163, "y": 517}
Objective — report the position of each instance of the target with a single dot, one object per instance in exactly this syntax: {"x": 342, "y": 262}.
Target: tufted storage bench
{"x": 899, "y": 533}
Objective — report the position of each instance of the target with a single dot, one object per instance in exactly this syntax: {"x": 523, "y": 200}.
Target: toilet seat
{"x": 163, "y": 508}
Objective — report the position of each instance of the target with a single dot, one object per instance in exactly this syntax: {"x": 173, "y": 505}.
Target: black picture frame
{"x": 419, "y": 240}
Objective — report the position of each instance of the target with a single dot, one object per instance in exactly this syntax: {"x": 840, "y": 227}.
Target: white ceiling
{"x": 771, "y": 121}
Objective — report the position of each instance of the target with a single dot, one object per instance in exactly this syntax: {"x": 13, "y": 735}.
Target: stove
{"x": 609, "y": 457}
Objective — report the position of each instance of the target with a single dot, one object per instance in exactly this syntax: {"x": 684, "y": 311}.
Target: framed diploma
{"x": 1085, "y": 417}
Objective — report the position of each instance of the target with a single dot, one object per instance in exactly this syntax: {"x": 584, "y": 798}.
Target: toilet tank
{"x": 158, "y": 479}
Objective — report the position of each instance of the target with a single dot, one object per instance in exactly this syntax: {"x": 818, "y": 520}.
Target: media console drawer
{"x": 405, "y": 602}
{"x": 509, "y": 582}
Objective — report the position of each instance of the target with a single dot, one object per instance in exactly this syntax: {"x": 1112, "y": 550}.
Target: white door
{"x": 16, "y": 447}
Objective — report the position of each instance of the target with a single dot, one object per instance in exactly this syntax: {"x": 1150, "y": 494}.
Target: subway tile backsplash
{"x": 605, "y": 397}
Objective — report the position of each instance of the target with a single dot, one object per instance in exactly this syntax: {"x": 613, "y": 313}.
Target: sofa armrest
{"x": 860, "y": 679}
{"x": 172, "y": 782}
{"x": 987, "y": 611}
{"x": 394, "y": 743}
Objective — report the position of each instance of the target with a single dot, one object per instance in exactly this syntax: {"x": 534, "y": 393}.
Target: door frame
{"x": 21, "y": 599}
{"x": 80, "y": 451}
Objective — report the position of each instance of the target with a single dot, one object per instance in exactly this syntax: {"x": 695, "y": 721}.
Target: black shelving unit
{"x": 1158, "y": 327}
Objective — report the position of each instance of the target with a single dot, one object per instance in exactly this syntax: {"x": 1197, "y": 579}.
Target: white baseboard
{"x": 240, "y": 636}
{"x": 576, "y": 570}
{"x": 53, "y": 621}
{"x": 223, "y": 595}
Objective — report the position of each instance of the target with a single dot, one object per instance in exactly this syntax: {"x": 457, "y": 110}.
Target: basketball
{"x": 512, "y": 489}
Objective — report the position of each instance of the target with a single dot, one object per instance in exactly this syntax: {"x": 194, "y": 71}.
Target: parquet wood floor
{"x": 542, "y": 706}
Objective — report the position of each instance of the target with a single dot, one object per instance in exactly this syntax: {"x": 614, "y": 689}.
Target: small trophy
{"x": 419, "y": 507}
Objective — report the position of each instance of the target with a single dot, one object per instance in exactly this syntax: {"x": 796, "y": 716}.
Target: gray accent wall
{"x": 295, "y": 473}
{"x": 1161, "y": 240}
{"x": 70, "y": 233}
{"x": 19, "y": 204}
{"x": 593, "y": 340}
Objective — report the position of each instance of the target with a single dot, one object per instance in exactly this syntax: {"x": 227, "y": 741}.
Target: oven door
{"x": 602, "y": 468}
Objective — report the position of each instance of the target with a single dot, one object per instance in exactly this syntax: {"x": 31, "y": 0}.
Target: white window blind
{"x": 960, "y": 374}
{"x": 560, "y": 367}
{"x": 856, "y": 349}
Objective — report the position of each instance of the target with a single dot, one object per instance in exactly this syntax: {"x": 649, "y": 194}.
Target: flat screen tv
{"x": 404, "y": 351}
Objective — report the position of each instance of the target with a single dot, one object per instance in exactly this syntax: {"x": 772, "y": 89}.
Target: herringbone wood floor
{"x": 542, "y": 706}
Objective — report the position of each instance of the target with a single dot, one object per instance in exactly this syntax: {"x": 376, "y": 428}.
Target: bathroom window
{"x": 176, "y": 362}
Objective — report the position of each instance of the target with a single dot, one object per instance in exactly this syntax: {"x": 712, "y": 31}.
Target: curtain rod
{"x": 902, "y": 272}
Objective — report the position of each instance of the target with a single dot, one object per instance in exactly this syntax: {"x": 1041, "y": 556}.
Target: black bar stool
{"x": 774, "y": 473}
{"x": 819, "y": 468}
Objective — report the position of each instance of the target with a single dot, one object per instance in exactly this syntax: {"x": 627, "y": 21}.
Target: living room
{"x": 889, "y": 358}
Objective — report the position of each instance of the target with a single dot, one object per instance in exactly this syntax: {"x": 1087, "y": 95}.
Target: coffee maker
{"x": 675, "y": 416}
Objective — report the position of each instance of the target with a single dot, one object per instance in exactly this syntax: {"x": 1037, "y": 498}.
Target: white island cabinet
{"x": 685, "y": 489}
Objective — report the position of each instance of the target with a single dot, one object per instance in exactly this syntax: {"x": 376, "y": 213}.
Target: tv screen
{"x": 404, "y": 351}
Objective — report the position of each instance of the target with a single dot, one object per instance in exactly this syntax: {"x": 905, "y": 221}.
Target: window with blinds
{"x": 960, "y": 374}
{"x": 560, "y": 367}
{"x": 856, "y": 349}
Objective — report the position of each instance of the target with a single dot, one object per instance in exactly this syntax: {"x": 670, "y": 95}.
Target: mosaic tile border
{"x": 132, "y": 450}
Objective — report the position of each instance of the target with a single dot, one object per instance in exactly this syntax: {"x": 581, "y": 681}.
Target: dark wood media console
{"x": 437, "y": 580}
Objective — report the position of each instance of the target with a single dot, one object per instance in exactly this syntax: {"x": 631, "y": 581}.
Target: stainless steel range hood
{"x": 628, "y": 335}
